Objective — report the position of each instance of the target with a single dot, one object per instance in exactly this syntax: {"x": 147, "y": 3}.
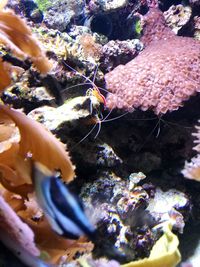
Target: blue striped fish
{"x": 61, "y": 208}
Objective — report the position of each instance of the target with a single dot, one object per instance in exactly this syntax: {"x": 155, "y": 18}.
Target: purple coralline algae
{"x": 60, "y": 13}
{"x": 119, "y": 52}
{"x": 126, "y": 214}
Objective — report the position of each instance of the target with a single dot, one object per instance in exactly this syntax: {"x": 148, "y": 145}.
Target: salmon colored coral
{"x": 162, "y": 76}
{"x": 39, "y": 144}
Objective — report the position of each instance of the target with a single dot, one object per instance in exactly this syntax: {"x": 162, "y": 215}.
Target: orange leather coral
{"x": 22, "y": 140}
{"x": 41, "y": 144}
{"x": 16, "y": 35}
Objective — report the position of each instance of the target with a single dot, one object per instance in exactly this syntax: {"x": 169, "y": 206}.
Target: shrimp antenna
{"x": 95, "y": 73}
{"x": 85, "y": 77}
{"x": 100, "y": 121}
{"x": 105, "y": 90}
{"x": 115, "y": 118}
{"x": 84, "y": 83}
{"x": 149, "y": 135}
{"x": 99, "y": 129}
{"x": 85, "y": 136}
{"x": 76, "y": 85}
{"x": 82, "y": 75}
{"x": 175, "y": 124}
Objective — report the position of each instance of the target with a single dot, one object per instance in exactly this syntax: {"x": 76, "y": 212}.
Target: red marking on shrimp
{"x": 101, "y": 98}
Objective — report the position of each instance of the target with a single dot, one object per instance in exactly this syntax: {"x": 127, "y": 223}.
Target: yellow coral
{"x": 165, "y": 252}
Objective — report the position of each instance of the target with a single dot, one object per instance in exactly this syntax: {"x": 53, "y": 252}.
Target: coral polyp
{"x": 162, "y": 77}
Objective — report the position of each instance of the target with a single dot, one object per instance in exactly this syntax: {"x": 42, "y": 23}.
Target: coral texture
{"x": 59, "y": 13}
{"x": 155, "y": 27}
{"x": 107, "y": 6}
{"x": 4, "y": 72}
{"x": 119, "y": 52}
{"x": 162, "y": 76}
{"x": 177, "y": 16}
{"x": 192, "y": 168}
{"x": 23, "y": 140}
{"x": 196, "y": 25}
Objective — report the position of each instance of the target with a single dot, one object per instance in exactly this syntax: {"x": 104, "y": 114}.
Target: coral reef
{"x": 107, "y": 6}
{"x": 73, "y": 110}
{"x": 20, "y": 139}
{"x": 79, "y": 47}
{"x": 127, "y": 213}
{"x": 118, "y": 52}
{"x": 192, "y": 168}
{"x": 149, "y": 81}
{"x": 196, "y": 26}
{"x": 28, "y": 8}
{"x": 110, "y": 18}
{"x": 43, "y": 5}
{"x": 177, "y": 16}
{"x": 59, "y": 14}
{"x": 21, "y": 94}
{"x": 90, "y": 47}
{"x": 21, "y": 42}
{"x": 112, "y": 149}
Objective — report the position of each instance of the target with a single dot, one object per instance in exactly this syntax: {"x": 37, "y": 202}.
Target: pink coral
{"x": 17, "y": 230}
{"x": 162, "y": 76}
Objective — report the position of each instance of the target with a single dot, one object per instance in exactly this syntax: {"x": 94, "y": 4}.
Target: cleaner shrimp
{"x": 95, "y": 95}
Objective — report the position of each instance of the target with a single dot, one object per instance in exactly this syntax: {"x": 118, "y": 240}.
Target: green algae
{"x": 43, "y": 5}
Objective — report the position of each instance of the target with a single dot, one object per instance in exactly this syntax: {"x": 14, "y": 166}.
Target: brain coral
{"x": 163, "y": 76}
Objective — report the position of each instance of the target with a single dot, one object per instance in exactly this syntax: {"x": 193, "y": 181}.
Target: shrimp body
{"x": 97, "y": 94}
{"x": 101, "y": 98}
